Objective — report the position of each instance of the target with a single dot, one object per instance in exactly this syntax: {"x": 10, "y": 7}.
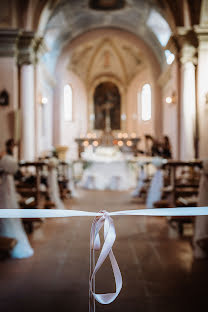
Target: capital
{"x": 187, "y": 43}
{"x": 188, "y": 54}
{"x": 26, "y": 53}
{"x": 186, "y": 35}
{"x": 202, "y": 33}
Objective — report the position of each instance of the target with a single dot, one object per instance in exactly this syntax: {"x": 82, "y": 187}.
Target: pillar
{"x": 26, "y": 61}
{"x": 203, "y": 95}
{"x": 188, "y": 102}
{"x": 202, "y": 34}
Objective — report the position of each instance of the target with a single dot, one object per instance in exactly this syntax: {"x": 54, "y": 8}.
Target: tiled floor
{"x": 159, "y": 273}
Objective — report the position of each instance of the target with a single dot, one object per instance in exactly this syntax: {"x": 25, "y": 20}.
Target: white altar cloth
{"x": 113, "y": 175}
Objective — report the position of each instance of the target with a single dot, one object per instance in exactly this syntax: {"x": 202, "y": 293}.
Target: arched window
{"x": 146, "y": 100}
{"x": 68, "y": 102}
{"x": 169, "y": 57}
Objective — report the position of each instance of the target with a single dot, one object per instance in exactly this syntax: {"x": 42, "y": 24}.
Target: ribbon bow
{"x": 109, "y": 238}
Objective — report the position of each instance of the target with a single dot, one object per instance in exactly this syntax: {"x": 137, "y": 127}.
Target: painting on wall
{"x": 107, "y": 100}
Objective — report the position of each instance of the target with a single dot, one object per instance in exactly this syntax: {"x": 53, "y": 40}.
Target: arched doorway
{"x": 107, "y": 97}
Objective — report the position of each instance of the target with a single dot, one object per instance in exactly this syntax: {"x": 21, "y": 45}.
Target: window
{"x": 146, "y": 100}
{"x": 159, "y": 26}
{"x": 169, "y": 57}
{"x": 68, "y": 103}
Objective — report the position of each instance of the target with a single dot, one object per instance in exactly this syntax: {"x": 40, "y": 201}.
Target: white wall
{"x": 67, "y": 131}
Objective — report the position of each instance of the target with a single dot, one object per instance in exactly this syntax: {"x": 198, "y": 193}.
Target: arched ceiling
{"x": 108, "y": 57}
{"x": 72, "y": 18}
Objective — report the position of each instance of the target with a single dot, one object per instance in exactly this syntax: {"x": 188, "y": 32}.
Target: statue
{"x": 107, "y": 139}
{"x": 107, "y": 107}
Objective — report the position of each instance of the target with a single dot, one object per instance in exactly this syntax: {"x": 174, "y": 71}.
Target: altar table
{"x": 111, "y": 175}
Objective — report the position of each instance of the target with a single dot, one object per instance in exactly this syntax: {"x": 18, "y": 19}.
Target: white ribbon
{"x": 103, "y": 219}
{"x": 109, "y": 239}
{"x": 54, "y": 213}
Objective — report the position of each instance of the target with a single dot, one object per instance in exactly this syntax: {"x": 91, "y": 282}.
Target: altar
{"x": 107, "y": 163}
{"x": 107, "y": 169}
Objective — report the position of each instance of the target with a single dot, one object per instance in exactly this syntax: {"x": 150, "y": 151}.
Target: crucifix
{"x": 107, "y": 107}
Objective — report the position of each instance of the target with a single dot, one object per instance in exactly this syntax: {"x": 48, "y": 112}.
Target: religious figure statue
{"x": 107, "y": 107}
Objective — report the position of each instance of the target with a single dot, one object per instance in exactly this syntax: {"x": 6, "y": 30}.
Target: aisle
{"x": 157, "y": 267}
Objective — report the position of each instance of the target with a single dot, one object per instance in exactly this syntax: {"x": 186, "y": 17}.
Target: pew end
{"x": 6, "y": 245}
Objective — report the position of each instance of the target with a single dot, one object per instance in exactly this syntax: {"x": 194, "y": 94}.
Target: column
{"x": 188, "y": 102}
{"x": 202, "y": 34}
{"x": 26, "y": 61}
{"x": 203, "y": 93}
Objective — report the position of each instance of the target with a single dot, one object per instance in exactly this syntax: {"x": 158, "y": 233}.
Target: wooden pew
{"x": 32, "y": 197}
{"x": 6, "y": 245}
{"x": 63, "y": 180}
{"x": 181, "y": 192}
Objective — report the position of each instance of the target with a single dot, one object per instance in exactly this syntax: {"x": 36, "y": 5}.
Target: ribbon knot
{"x": 103, "y": 220}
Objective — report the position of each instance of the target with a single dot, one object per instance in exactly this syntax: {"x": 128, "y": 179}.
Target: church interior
{"x": 104, "y": 113}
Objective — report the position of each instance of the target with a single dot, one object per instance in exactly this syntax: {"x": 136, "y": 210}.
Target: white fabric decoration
{"x": 155, "y": 190}
{"x": 140, "y": 184}
{"x": 158, "y": 161}
{"x": 71, "y": 185}
{"x": 12, "y": 228}
{"x": 108, "y": 175}
{"x": 53, "y": 187}
{"x": 8, "y": 164}
{"x": 53, "y": 162}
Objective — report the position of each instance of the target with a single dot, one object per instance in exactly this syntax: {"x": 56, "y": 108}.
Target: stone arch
{"x": 153, "y": 66}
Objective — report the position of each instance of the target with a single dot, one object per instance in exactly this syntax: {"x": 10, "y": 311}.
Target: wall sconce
{"x": 44, "y": 100}
{"x": 171, "y": 99}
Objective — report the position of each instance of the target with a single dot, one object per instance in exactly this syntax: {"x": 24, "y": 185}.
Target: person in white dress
{"x": 12, "y": 228}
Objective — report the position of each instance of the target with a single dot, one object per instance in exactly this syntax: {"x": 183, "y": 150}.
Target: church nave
{"x": 103, "y": 108}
